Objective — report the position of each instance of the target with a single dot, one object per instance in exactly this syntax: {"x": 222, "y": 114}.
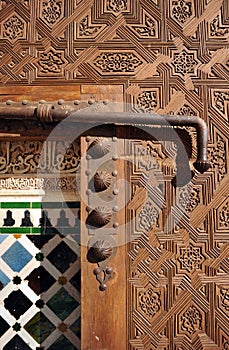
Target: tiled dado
{"x": 40, "y": 281}
{"x": 38, "y": 217}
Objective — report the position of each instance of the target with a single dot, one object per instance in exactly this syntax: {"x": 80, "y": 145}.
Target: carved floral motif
{"x": 147, "y": 30}
{"x": 147, "y": 157}
{"x": 224, "y": 298}
{"x": 51, "y": 62}
{"x": 191, "y": 258}
{"x": 217, "y": 157}
{"x": 51, "y": 10}
{"x": 147, "y": 101}
{"x": 13, "y": 28}
{"x": 186, "y": 110}
{"x": 221, "y": 99}
{"x": 149, "y": 217}
{"x": 64, "y": 183}
{"x": 191, "y": 320}
{"x": 116, "y": 5}
{"x": 85, "y": 29}
{"x": 181, "y": 10}
{"x": 226, "y": 345}
{"x": 216, "y": 29}
{"x": 3, "y": 3}
{"x": 189, "y": 198}
{"x": 117, "y": 62}
{"x": 149, "y": 302}
{"x": 184, "y": 62}
{"x": 224, "y": 216}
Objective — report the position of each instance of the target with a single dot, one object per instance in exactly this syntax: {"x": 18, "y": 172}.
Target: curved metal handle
{"x": 48, "y": 113}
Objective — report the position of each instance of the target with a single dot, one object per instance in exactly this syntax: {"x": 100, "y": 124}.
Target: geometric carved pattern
{"x": 175, "y": 60}
{"x": 171, "y": 275}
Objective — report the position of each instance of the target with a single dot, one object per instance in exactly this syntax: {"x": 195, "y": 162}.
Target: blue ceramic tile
{"x": 2, "y": 237}
{"x": 4, "y": 280}
{"x": 16, "y": 257}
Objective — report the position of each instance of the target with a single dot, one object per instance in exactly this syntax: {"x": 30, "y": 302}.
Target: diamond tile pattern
{"x": 39, "y": 294}
{"x": 16, "y": 257}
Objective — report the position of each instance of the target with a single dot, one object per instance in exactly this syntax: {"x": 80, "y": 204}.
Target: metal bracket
{"x": 103, "y": 274}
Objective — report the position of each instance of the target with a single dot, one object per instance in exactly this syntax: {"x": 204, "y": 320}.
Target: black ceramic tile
{"x": 62, "y": 304}
{"x": 40, "y": 240}
{"x": 16, "y": 343}
{"x": 9, "y": 221}
{"x": 17, "y": 280}
{"x": 40, "y": 280}
{"x": 26, "y": 221}
{"x": 44, "y": 220}
{"x": 3, "y": 326}
{"x": 76, "y": 327}
{"x": 17, "y": 303}
{"x": 40, "y": 303}
{"x": 76, "y": 281}
{"x": 62, "y": 256}
{"x": 39, "y": 327}
{"x": 62, "y": 343}
{"x": 62, "y": 221}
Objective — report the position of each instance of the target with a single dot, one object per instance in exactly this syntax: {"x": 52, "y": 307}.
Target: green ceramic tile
{"x": 62, "y": 304}
{"x": 36, "y": 230}
{"x": 39, "y": 327}
{"x": 76, "y": 327}
{"x": 36, "y": 205}
{"x": 15, "y": 230}
{"x": 47, "y": 205}
{"x": 72, "y": 204}
{"x": 15, "y": 205}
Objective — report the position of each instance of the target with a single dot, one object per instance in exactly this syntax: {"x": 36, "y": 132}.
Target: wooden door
{"x": 149, "y": 277}
{"x": 151, "y": 56}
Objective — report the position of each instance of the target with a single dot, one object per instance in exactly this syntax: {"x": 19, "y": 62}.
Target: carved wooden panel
{"x": 156, "y": 56}
{"x": 178, "y": 253}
